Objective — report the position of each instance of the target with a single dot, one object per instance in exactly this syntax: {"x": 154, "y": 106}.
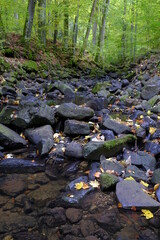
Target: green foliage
{"x": 30, "y": 66}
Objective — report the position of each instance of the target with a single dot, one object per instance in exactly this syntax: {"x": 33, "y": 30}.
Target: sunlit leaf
{"x": 94, "y": 184}
{"x": 144, "y": 183}
{"x": 79, "y": 186}
{"x": 156, "y": 186}
{"x": 129, "y": 178}
{"x": 147, "y": 214}
{"x": 152, "y": 130}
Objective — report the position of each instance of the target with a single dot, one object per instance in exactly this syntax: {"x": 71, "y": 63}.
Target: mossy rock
{"x": 108, "y": 181}
{"x": 130, "y": 75}
{"x": 100, "y": 86}
{"x": 30, "y": 66}
{"x": 154, "y": 100}
{"x": 93, "y": 150}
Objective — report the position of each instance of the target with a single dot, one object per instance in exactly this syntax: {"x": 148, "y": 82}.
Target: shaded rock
{"x": 3, "y": 200}
{"x": 10, "y": 139}
{"x": 152, "y": 147}
{"x": 141, "y": 158}
{"x": 112, "y": 165}
{"x": 108, "y": 181}
{"x": 74, "y": 127}
{"x": 17, "y": 165}
{"x": 101, "y": 86}
{"x": 156, "y": 134}
{"x": 148, "y": 234}
{"x": 154, "y": 100}
{"x": 117, "y": 127}
{"x": 74, "y": 150}
{"x": 149, "y": 91}
{"x": 63, "y": 88}
{"x": 156, "y": 109}
{"x": 128, "y": 232}
{"x": 129, "y": 194}
{"x": 55, "y": 218}
{"x": 109, "y": 220}
{"x": 45, "y": 193}
{"x": 136, "y": 173}
{"x": 141, "y": 133}
{"x": 115, "y": 86}
{"x": 29, "y": 236}
{"x": 16, "y": 222}
{"x": 74, "y": 215}
{"x": 93, "y": 150}
{"x": 6, "y": 90}
{"x": 71, "y": 110}
{"x": 158, "y": 195}
{"x": 32, "y": 112}
{"x": 156, "y": 176}
{"x": 6, "y": 115}
{"x": 42, "y": 136}
{"x": 98, "y": 104}
{"x": 13, "y": 185}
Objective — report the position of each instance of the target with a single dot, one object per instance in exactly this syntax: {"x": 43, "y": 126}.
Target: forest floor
{"x": 79, "y": 147}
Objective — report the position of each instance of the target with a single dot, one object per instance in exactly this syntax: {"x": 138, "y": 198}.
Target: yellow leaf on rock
{"x": 147, "y": 214}
{"x": 85, "y": 186}
{"x": 144, "y": 183}
{"x": 79, "y": 186}
{"x": 129, "y": 178}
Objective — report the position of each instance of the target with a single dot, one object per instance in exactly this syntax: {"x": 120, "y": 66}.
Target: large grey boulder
{"x": 73, "y": 111}
{"x": 42, "y": 136}
{"x": 149, "y": 91}
{"x": 10, "y": 139}
{"x": 130, "y": 193}
{"x": 74, "y": 150}
{"x": 117, "y": 127}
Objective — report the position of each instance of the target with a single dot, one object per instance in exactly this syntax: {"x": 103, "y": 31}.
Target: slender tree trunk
{"x": 88, "y": 27}
{"x": 102, "y": 31}
{"x": 29, "y": 19}
{"x": 55, "y": 24}
{"x": 124, "y": 31}
{"x": 95, "y": 27}
{"x": 132, "y": 29}
{"x": 135, "y": 30}
{"x": 66, "y": 24}
{"x": 42, "y": 21}
{"x": 2, "y": 31}
{"x": 75, "y": 30}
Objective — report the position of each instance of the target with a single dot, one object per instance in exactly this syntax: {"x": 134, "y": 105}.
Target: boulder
{"x": 10, "y": 139}
{"x": 130, "y": 193}
{"x": 42, "y": 137}
{"x": 149, "y": 91}
{"x": 74, "y": 127}
{"x": 74, "y": 150}
{"x": 73, "y": 111}
{"x": 93, "y": 150}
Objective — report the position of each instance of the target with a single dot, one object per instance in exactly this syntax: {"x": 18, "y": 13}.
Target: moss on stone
{"x": 100, "y": 86}
{"x": 30, "y": 66}
{"x": 154, "y": 100}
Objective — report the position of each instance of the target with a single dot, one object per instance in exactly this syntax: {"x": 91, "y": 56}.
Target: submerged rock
{"x": 10, "y": 139}
{"x": 129, "y": 194}
{"x": 93, "y": 150}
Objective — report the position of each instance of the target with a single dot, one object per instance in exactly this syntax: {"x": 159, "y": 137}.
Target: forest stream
{"x": 80, "y": 155}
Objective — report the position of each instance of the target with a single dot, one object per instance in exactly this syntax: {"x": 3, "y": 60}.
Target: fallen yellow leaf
{"x": 152, "y": 130}
{"x": 129, "y": 178}
{"x": 85, "y": 186}
{"x": 144, "y": 183}
{"x": 147, "y": 214}
{"x": 156, "y": 187}
{"x": 79, "y": 186}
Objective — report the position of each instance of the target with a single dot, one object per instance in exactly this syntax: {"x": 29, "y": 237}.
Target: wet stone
{"x": 152, "y": 147}
{"x": 56, "y": 217}
{"x": 74, "y": 215}
{"x": 156, "y": 176}
{"x": 136, "y": 173}
{"x": 108, "y": 181}
{"x": 112, "y": 165}
{"x": 87, "y": 227}
{"x": 129, "y": 194}
{"x": 12, "y": 185}
{"x": 17, "y": 165}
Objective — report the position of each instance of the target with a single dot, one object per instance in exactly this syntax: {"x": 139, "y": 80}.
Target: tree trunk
{"x": 29, "y": 19}
{"x": 55, "y": 24}
{"x": 66, "y": 23}
{"x": 124, "y": 31}
{"x": 42, "y": 21}
{"x": 102, "y": 31}
{"x": 132, "y": 29}
{"x": 2, "y": 31}
{"x": 75, "y": 30}
{"x": 135, "y": 30}
{"x": 88, "y": 27}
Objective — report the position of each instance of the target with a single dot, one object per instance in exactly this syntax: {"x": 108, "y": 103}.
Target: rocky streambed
{"x": 80, "y": 156}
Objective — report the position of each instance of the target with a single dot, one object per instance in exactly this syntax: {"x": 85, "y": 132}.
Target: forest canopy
{"x": 109, "y": 31}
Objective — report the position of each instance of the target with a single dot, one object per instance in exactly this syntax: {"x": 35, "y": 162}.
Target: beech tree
{"x": 42, "y": 21}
